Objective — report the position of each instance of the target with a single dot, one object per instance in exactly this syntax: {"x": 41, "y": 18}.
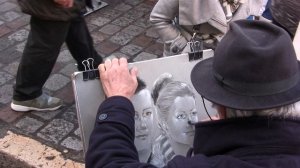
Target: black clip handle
{"x": 195, "y": 55}
{"x": 89, "y": 72}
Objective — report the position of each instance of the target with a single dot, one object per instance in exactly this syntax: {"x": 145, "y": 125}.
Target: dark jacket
{"x": 254, "y": 142}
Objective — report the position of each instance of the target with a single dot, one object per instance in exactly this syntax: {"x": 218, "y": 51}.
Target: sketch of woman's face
{"x": 144, "y": 109}
{"x": 182, "y": 111}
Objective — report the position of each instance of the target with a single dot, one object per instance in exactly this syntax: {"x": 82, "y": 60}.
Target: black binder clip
{"x": 196, "y": 48}
{"x": 89, "y": 72}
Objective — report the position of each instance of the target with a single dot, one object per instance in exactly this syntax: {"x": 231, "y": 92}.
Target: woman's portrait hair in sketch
{"x": 176, "y": 110}
{"x": 144, "y": 114}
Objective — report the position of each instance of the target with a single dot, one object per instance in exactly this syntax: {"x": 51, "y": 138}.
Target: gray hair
{"x": 288, "y": 111}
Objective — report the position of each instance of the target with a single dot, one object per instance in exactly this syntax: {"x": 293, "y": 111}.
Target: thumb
{"x": 134, "y": 72}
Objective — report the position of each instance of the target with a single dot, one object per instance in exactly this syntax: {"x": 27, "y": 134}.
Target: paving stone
{"x": 123, "y": 7}
{"x": 9, "y": 16}
{"x": 27, "y": 27}
{"x": 133, "y": 2}
{"x": 3, "y": 132}
{"x": 107, "y": 47}
{"x": 142, "y": 40}
{"x": 46, "y": 115}
{"x": 92, "y": 27}
{"x": 12, "y": 68}
{"x": 8, "y": 115}
{"x": 56, "y": 130}
{"x": 20, "y": 47}
{"x": 29, "y": 125}
{"x": 64, "y": 56}
{"x": 72, "y": 143}
{"x": 19, "y": 22}
{"x": 118, "y": 55}
{"x": 98, "y": 37}
{"x": 156, "y": 49}
{"x": 9, "y": 55}
{"x": 144, "y": 8}
{"x": 3, "y": 30}
{"x": 100, "y": 21}
{"x": 110, "y": 13}
{"x": 19, "y": 36}
{"x": 143, "y": 22}
{"x": 144, "y": 56}
{"x": 110, "y": 29}
{"x": 133, "y": 30}
{"x": 4, "y": 77}
{"x": 1, "y": 22}
{"x": 6, "y": 93}
{"x": 56, "y": 82}
{"x": 121, "y": 38}
{"x": 122, "y": 21}
{"x": 131, "y": 49}
{"x": 133, "y": 14}
{"x": 66, "y": 94}
{"x": 150, "y": 2}
{"x": 6, "y": 6}
{"x": 77, "y": 132}
{"x": 70, "y": 114}
{"x": 152, "y": 33}
{"x": 69, "y": 69}
{"x": 57, "y": 67}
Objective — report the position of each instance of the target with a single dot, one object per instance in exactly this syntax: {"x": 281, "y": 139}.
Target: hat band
{"x": 257, "y": 89}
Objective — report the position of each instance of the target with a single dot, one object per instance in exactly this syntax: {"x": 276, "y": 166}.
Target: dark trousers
{"x": 42, "y": 49}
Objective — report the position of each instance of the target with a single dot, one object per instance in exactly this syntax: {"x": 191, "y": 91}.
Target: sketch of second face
{"x": 176, "y": 109}
{"x": 144, "y": 111}
{"x": 181, "y": 113}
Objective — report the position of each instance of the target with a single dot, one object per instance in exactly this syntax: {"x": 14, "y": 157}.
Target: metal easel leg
{"x": 97, "y": 4}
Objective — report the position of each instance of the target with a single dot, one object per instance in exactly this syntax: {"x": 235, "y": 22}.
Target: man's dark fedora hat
{"x": 254, "y": 67}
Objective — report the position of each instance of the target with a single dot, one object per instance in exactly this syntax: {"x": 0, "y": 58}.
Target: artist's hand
{"x": 65, "y": 3}
{"x": 117, "y": 79}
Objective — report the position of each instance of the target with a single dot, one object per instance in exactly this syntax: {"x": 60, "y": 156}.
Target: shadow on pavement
{"x": 8, "y": 161}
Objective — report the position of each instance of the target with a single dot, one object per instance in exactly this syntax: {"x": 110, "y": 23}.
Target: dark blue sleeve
{"x": 112, "y": 140}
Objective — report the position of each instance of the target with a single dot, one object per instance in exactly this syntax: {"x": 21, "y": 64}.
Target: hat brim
{"x": 206, "y": 85}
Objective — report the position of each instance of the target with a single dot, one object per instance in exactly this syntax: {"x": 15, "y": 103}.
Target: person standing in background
{"x": 177, "y": 21}
{"x": 41, "y": 51}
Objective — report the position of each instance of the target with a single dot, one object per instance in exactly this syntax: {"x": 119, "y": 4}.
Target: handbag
{"x": 49, "y": 10}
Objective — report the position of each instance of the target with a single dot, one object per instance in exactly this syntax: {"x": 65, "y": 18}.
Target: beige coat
{"x": 208, "y": 13}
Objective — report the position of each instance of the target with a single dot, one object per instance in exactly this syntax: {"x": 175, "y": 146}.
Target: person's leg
{"x": 39, "y": 56}
{"x": 80, "y": 43}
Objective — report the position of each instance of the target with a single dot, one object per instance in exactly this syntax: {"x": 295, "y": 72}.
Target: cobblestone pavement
{"x": 121, "y": 29}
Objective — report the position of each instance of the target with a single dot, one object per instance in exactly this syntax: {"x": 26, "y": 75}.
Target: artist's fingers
{"x": 101, "y": 68}
{"x": 115, "y": 63}
{"x": 123, "y": 62}
{"x": 107, "y": 64}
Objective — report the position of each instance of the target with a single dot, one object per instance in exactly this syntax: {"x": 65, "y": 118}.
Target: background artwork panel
{"x": 155, "y": 123}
